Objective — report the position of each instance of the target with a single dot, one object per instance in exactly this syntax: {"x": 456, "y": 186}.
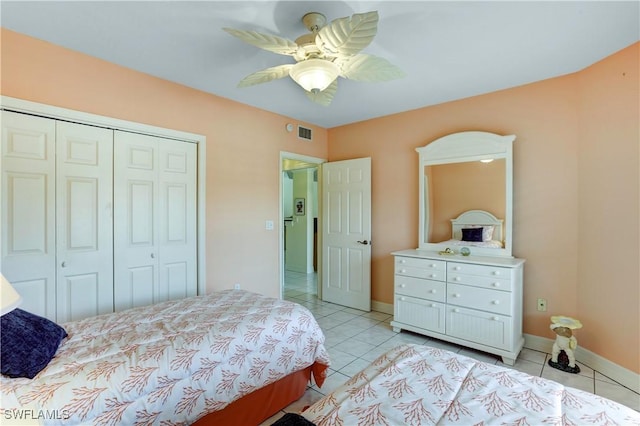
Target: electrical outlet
{"x": 236, "y": 286}
{"x": 542, "y": 305}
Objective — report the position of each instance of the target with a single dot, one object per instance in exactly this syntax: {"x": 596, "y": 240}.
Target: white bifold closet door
{"x": 57, "y": 241}
{"x": 154, "y": 220}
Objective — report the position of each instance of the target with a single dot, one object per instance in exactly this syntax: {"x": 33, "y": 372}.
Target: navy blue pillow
{"x": 28, "y": 343}
{"x": 472, "y": 234}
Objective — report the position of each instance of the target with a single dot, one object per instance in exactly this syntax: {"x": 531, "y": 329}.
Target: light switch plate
{"x": 268, "y": 225}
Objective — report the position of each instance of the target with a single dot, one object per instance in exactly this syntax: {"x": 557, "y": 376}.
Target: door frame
{"x": 308, "y": 159}
{"x": 49, "y": 111}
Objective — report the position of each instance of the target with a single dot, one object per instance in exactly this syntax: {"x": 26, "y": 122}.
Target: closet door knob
{"x": 63, "y": 264}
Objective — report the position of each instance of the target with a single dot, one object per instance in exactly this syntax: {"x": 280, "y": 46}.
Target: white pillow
{"x": 487, "y": 233}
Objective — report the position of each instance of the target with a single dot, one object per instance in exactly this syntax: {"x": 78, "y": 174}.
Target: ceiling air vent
{"x": 304, "y": 133}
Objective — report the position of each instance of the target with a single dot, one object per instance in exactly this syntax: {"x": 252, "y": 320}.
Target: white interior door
{"x": 84, "y": 225}
{"x": 346, "y": 233}
{"x": 28, "y": 212}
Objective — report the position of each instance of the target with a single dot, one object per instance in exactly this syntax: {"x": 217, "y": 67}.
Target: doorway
{"x": 300, "y": 260}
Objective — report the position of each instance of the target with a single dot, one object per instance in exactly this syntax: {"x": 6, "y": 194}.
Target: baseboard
{"x": 615, "y": 372}
{"x": 385, "y": 308}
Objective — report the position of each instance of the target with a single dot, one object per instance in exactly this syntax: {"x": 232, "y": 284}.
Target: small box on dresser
{"x": 469, "y": 300}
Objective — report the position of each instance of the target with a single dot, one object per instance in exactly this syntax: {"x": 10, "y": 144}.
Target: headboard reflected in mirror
{"x": 463, "y": 173}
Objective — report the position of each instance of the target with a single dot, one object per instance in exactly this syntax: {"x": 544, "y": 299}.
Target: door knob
{"x": 64, "y": 264}
{"x": 365, "y": 242}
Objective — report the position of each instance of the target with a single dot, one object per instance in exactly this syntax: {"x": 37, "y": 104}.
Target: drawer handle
{"x": 433, "y": 275}
{"x": 496, "y": 302}
{"x": 403, "y": 271}
{"x": 496, "y": 284}
{"x": 456, "y": 310}
{"x": 496, "y": 272}
{"x": 495, "y": 319}
{"x": 403, "y": 299}
{"x": 433, "y": 265}
{"x": 433, "y": 305}
{"x": 456, "y": 268}
{"x": 402, "y": 261}
{"x": 432, "y": 291}
{"x": 456, "y": 279}
{"x": 456, "y": 294}
{"x": 403, "y": 285}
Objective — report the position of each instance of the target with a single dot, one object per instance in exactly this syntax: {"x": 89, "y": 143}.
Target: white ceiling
{"x": 449, "y": 50}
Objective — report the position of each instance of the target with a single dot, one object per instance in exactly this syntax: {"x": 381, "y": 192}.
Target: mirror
{"x": 466, "y": 183}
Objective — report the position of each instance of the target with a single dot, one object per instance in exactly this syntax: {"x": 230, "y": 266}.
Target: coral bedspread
{"x": 420, "y": 385}
{"x": 170, "y": 363}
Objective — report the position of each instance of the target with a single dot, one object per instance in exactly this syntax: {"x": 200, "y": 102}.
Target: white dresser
{"x": 473, "y": 301}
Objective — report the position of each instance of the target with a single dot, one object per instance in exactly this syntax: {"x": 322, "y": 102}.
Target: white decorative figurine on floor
{"x": 562, "y": 354}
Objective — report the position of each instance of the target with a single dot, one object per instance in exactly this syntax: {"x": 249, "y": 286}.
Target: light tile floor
{"x": 355, "y": 338}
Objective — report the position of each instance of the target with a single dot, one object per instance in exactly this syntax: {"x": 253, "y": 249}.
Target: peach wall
{"x": 243, "y": 146}
{"x": 608, "y": 187}
{"x": 556, "y": 167}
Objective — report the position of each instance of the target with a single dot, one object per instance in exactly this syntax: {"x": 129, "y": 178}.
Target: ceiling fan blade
{"x": 326, "y": 96}
{"x": 268, "y": 42}
{"x": 348, "y": 36}
{"x": 368, "y": 68}
{"x": 266, "y": 75}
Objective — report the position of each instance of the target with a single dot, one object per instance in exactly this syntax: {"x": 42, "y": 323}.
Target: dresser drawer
{"x": 503, "y": 284}
{"x": 478, "y": 270}
{"x": 475, "y": 326}
{"x": 421, "y": 268}
{"x": 420, "y": 313}
{"x": 416, "y": 287}
{"x": 479, "y": 298}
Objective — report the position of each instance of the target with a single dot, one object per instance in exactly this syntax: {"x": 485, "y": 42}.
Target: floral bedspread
{"x": 419, "y": 385}
{"x": 169, "y": 363}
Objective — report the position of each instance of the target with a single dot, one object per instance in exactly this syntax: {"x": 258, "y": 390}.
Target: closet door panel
{"x": 27, "y": 232}
{"x": 135, "y": 220}
{"x": 177, "y": 237}
{"x": 84, "y": 220}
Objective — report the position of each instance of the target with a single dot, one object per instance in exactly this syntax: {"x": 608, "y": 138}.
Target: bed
{"x": 420, "y": 385}
{"x": 476, "y": 228}
{"x": 231, "y": 357}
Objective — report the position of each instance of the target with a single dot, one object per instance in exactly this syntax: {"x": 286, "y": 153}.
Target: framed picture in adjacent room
{"x": 299, "y": 206}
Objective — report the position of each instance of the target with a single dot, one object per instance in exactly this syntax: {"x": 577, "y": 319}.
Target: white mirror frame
{"x": 464, "y": 147}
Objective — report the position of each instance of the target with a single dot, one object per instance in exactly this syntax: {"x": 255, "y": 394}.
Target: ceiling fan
{"x": 327, "y": 52}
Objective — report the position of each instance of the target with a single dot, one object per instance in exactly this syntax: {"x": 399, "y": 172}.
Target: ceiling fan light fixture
{"x": 314, "y": 75}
